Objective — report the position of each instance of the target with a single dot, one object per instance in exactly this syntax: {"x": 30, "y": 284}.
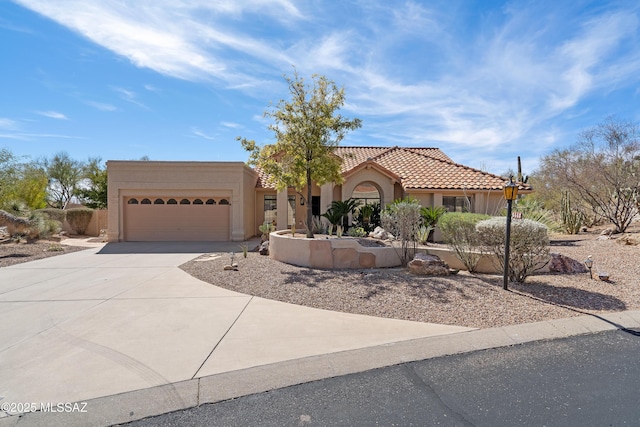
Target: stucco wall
{"x": 331, "y": 253}
{"x": 384, "y": 183}
{"x": 223, "y": 179}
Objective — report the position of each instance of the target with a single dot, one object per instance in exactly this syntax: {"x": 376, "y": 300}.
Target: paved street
{"x": 587, "y": 380}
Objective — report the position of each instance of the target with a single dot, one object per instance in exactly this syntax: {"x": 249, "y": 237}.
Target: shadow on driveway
{"x": 176, "y": 247}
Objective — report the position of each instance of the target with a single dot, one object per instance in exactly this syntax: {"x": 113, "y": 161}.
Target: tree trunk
{"x": 308, "y": 206}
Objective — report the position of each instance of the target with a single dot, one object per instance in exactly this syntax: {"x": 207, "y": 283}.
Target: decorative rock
{"x": 233, "y": 267}
{"x": 608, "y": 231}
{"x": 628, "y": 240}
{"x": 381, "y": 233}
{"x": 264, "y": 248}
{"x": 428, "y": 265}
{"x": 563, "y": 264}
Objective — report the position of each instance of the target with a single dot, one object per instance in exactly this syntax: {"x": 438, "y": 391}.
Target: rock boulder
{"x": 428, "y": 265}
{"x": 563, "y": 264}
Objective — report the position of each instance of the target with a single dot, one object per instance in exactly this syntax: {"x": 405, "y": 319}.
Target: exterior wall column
{"x": 479, "y": 205}
{"x": 237, "y": 225}
{"x": 282, "y": 202}
{"x": 326, "y": 196}
{"x": 437, "y": 199}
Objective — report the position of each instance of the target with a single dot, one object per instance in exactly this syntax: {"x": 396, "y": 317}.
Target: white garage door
{"x": 155, "y": 219}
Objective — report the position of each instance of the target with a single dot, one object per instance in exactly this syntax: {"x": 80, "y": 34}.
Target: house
{"x": 173, "y": 201}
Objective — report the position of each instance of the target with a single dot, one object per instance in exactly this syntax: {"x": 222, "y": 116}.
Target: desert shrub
{"x": 41, "y": 226}
{"x": 529, "y": 245}
{"x": 320, "y": 225}
{"x": 17, "y": 208}
{"x": 402, "y": 219}
{"x": 266, "y": 229}
{"x": 424, "y": 232}
{"x": 54, "y": 214}
{"x": 532, "y": 209}
{"x": 16, "y": 226}
{"x": 79, "y": 218}
{"x": 459, "y": 232}
{"x": 357, "y": 232}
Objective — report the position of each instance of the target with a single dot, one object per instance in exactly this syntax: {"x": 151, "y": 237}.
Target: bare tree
{"x": 602, "y": 170}
{"x": 65, "y": 174}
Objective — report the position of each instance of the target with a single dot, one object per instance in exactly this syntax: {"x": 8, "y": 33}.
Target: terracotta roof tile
{"x": 418, "y": 168}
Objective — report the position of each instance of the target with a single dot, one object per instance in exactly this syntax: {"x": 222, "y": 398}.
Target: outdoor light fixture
{"x": 589, "y": 263}
{"x": 510, "y": 194}
{"x": 232, "y": 255}
{"x": 301, "y": 201}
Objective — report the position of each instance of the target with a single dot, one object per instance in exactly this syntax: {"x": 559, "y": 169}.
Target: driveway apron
{"x": 124, "y": 317}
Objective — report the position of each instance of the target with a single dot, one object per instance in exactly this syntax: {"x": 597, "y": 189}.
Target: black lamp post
{"x": 510, "y": 194}
{"x": 589, "y": 263}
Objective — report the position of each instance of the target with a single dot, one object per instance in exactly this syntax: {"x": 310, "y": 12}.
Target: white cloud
{"x": 197, "y": 132}
{"x": 231, "y": 125}
{"x": 420, "y": 73}
{"x": 8, "y": 124}
{"x": 184, "y": 39}
{"x": 53, "y": 115}
{"x": 129, "y": 96}
{"x": 101, "y": 106}
{"x": 33, "y": 136}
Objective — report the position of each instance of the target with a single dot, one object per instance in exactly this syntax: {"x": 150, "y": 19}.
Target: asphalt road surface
{"x": 589, "y": 380}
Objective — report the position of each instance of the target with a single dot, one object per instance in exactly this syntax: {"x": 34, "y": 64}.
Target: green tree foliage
{"x": 601, "y": 173}
{"x": 65, "y": 175}
{"x": 307, "y": 129}
{"x": 21, "y": 182}
{"x": 32, "y": 188}
{"x": 9, "y": 168}
{"x": 94, "y": 195}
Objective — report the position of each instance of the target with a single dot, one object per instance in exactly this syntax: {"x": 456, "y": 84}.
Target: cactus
{"x": 571, "y": 219}
{"x": 266, "y": 229}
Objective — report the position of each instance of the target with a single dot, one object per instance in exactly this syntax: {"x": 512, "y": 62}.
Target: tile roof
{"x": 417, "y": 168}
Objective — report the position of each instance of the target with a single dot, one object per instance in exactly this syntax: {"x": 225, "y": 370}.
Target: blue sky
{"x": 485, "y": 81}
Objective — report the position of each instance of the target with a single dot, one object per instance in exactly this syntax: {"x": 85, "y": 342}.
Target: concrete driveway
{"x": 124, "y": 317}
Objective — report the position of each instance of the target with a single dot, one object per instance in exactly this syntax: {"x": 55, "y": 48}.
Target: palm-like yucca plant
{"x": 335, "y": 218}
{"x": 366, "y": 211}
{"x": 430, "y": 217}
{"x": 345, "y": 208}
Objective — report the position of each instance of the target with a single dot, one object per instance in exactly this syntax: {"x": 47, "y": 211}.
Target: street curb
{"x": 138, "y": 404}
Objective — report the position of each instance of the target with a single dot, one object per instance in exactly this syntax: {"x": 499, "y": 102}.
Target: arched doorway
{"x": 370, "y": 196}
{"x": 367, "y": 192}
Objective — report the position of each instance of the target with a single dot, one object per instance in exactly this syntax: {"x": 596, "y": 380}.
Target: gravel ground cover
{"x": 464, "y": 299}
{"x": 15, "y": 253}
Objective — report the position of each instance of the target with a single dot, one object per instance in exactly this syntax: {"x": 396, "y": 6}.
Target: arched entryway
{"x": 368, "y": 193}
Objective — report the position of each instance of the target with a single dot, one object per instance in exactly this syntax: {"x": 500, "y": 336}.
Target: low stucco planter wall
{"x": 487, "y": 263}
{"x": 337, "y": 253}
{"x": 333, "y": 253}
